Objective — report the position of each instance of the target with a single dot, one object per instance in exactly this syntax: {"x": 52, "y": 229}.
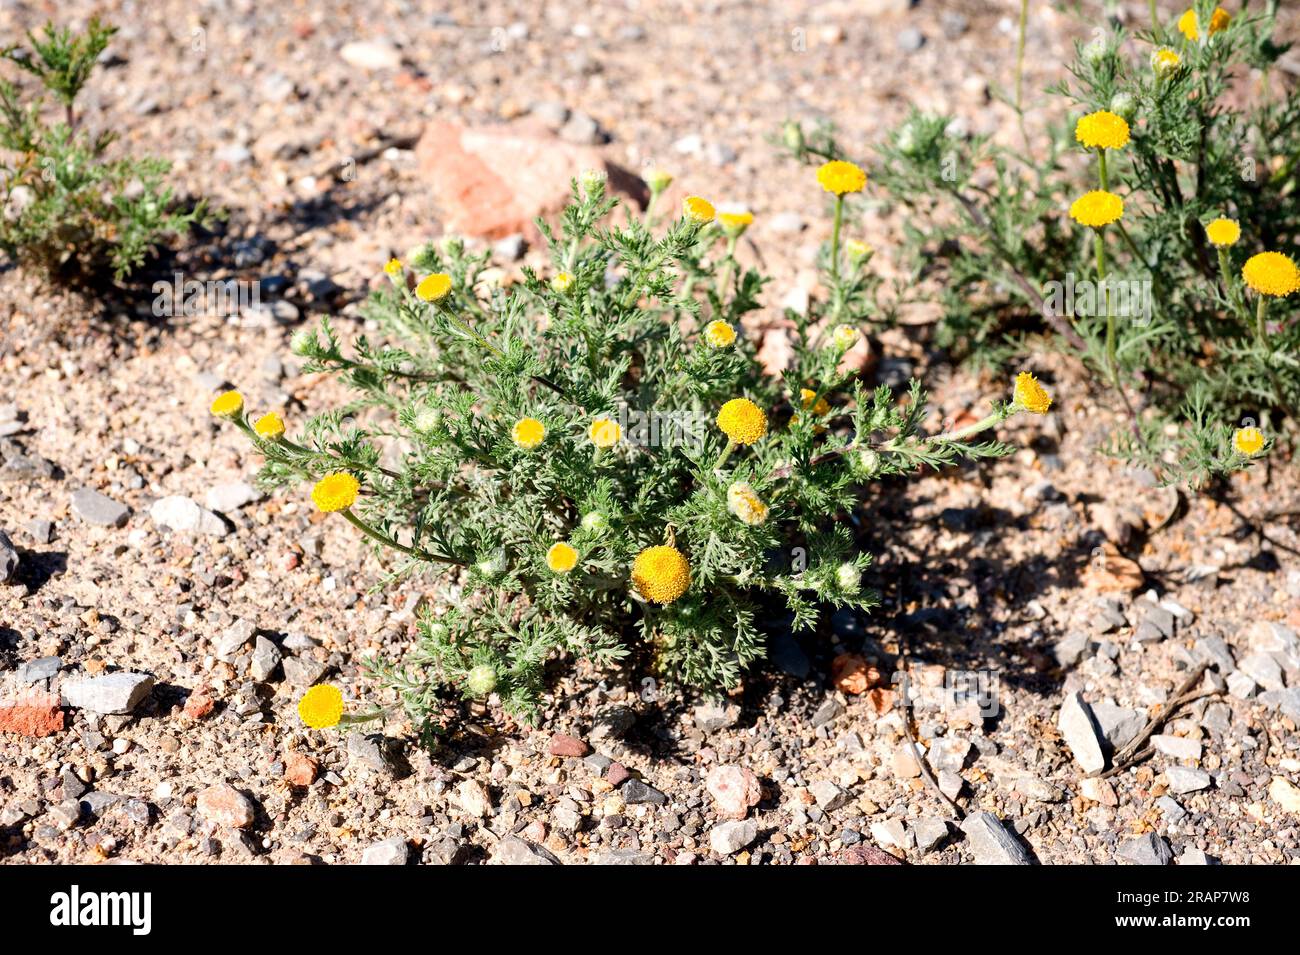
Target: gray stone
{"x": 1070, "y": 649}
{"x": 376, "y": 753}
{"x": 1179, "y": 747}
{"x": 827, "y": 712}
{"x": 42, "y": 668}
{"x": 991, "y": 844}
{"x": 1108, "y": 616}
{"x": 1172, "y": 811}
{"x": 1215, "y": 650}
{"x": 1148, "y": 849}
{"x": 583, "y": 130}
{"x": 929, "y": 833}
{"x": 231, "y": 496}
{"x": 1080, "y": 731}
{"x": 40, "y": 530}
{"x": 727, "y": 838}
{"x": 266, "y": 657}
{"x": 621, "y": 857}
{"x": 8, "y": 559}
{"x": 234, "y": 638}
{"x": 910, "y": 39}
{"x": 1157, "y": 616}
{"x": 1118, "y": 724}
{"x": 890, "y": 832}
{"x": 511, "y": 248}
{"x": 371, "y": 55}
{"x": 94, "y": 508}
{"x": 303, "y": 672}
{"x": 612, "y": 723}
{"x": 1241, "y": 686}
{"x": 392, "y": 851}
{"x": 634, "y": 791}
{"x": 1192, "y": 856}
{"x": 1264, "y": 669}
{"x": 829, "y": 796}
{"x": 787, "y": 223}
{"x": 1183, "y": 779}
{"x": 1287, "y": 701}
{"x": 179, "y": 513}
{"x": 714, "y": 715}
{"x": 515, "y": 851}
{"x": 551, "y": 112}
{"x": 113, "y": 693}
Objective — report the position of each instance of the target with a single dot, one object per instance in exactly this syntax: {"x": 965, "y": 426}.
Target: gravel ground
{"x": 1052, "y": 573}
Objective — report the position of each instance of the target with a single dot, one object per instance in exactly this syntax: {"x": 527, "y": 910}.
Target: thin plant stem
{"x": 1155, "y": 17}
{"x": 387, "y": 541}
{"x": 726, "y": 453}
{"x": 1020, "y": 52}
{"x": 835, "y": 236}
{"x": 1099, "y": 246}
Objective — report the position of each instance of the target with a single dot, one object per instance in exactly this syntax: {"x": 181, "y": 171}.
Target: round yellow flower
{"x": 1223, "y": 232}
{"x": 734, "y": 223}
{"x": 1102, "y": 130}
{"x": 841, "y": 177}
{"x": 270, "y": 425}
{"x": 1187, "y": 24}
{"x": 1030, "y": 395}
{"x": 1271, "y": 273}
{"x": 228, "y": 405}
{"x": 528, "y": 433}
{"x": 845, "y": 336}
{"x": 1165, "y": 60}
{"x": 1097, "y": 209}
{"x": 742, "y": 421}
{"x": 393, "y": 268}
{"x": 719, "y": 334}
{"x": 806, "y": 396}
{"x": 561, "y": 558}
{"x": 434, "y": 287}
{"x": 697, "y": 209}
{"x": 857, "y": 250}
{"x": 605, "y": 432}
{"x": 562, "y": 282}
{"x": 334, "y": 492}
{"x": 321, "y": 707}
{"x": 657, "y": 179}
{"x": 661, "y": 574}
{"x": 745, "y": 503}
{"x": 1248, "y": 441}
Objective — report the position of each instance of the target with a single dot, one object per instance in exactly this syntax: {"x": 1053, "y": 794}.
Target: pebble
{"x": 1118, "y": 724}
{"x": 42, "y": 668}
{"x": 1264, "y": 670}
{"x": 1179, "y": 747}
{"x": 1173, "y": 812}
{"x": 115, "y": 693}
{"x": 40, "y": 530}
{"x": 1241, "y": 686}
{"x": 1080, "y": 731}
{"x": 891, "y": 832}
{"x": 226, "y": 806}
{"x": 394, "y": 851}
{"x": 474, "y": 798}
{"x": 303, "y": 672}
{"x": 95, "y": 508}
{"x": 179, "y": 513}
{"x": 991, "y": 844}
{"x": 714, "y": 715}
{"x": 734, "y": 789}
{"x": 1146, "y": 849}
{"x": 563, "y": 744}
{"x": 828, "y": 796}
{"x": 929, "y": 833}
{"x": 1183, "y": 779}
{"x": 787, "y": 223}
{"x": 635, "y": 791}
{"x": 372, "y": 55}
{"x": 1285, "y": 794}
{"x": 910, "y": 39}
{"x": 727, "y": 838}
{"x": 515, "y": 851}
{"x": 231, "y": 496}
{"x": 266, "y": 658}
{"x": 827, "y": 712}
{"x": 8, "y": 559}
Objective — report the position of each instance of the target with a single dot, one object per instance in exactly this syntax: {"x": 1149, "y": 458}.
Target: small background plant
{"x": 70, "y": 211}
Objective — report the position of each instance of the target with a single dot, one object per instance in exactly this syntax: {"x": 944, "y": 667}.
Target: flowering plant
{"x": 592, "y": 460}
{"x": 1153, "y": 231}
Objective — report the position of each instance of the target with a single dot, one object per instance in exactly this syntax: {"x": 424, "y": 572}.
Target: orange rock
{"x": 32, "y": 714}
{"x": 200, "y": 703}
{"x": 300, "y": 769}
{"x": 852, "y": 674}
{"x": 493, "y": 181}
{"x": 1111, "y": 571}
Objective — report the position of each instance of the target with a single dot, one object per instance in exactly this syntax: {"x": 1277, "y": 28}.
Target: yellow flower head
{"x": 857, "y": 250}
{"x": 561, "y": 282}
{"x": 1223, "y": 232}
{"x": 845, "y": 336}
{"x": 745, "y": 503}
{"x": 658, "y": 179}
{"x": 528, "y": 433}
{"x": 719, "y": 334}
{"x": 1248, "y": 441}
{"x": 1165, "y": 60}
{"x": 742, "y": 421}
{"x": 841, "y": 177}
{"x": 561, "y": 558}
{"x": 806, "y": 396}
{"x": 270, "y": 425}
{"x": 321, "y": 707}
{"x": 1187, "y": 24}
{"x": 1097, "y": 209}
{"x": 393, "y": 268}
{"x": 697, "y": 209}
{"x": 1030, "y": 395}
{"x": 661, "y": 574}
{"x": 434, "y": 287}
{"x": 1271, "y": 273}
{"x": 734, "y": 223}
{"x": 229, "y": 404}
{"x": 1102, "y": 130}
{"x": 605, "y": 432}
{"x": 337, "y": 491}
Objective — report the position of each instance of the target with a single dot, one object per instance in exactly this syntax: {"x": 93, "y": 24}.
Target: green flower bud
{"x": 865, "y": 463}
{"x": 1096, "y": 51}
{"x": 848, "y": 577}
{"x": 594, "y": 522}
{"x": 1123, "y": 105}
{"x": 792, "y": 136}
{"x": 481, "y": 680}
{"x": 303, "y": 341}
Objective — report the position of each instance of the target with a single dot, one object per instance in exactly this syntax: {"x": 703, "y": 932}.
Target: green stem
{"x": 1155, "y": 17}
{"x": 835, "y": 236}
{"x": 726, "y": 453}
{"x": 961, "y": 434}
{"x": 1230, "y": 287}
{"x": 1101, "y": 170}
{"x": 387, "y": 541}
{"x": 1020, "y": 51}
{"x": 1261, "y": 327}
{"x": 724, "y": 276}
{"x": 1111, "y": 363}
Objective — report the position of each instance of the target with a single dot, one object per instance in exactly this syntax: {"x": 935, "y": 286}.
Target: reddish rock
{"x": 200, "y": 703}
{"x": 492, "y": 181}
{"x": 853, "y": 675}
{"x": 300, "y": 769}
{"x": 562, "y": 744}
{"x": 735, "y": 790}
{"x": 33, "y": 714}
{"x": 617, "y": 774}
{"x": 226, "y": 806}
{"x": 867, "y": 855}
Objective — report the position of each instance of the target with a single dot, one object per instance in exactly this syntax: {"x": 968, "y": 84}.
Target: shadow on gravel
{"x": 37, "y": 568}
